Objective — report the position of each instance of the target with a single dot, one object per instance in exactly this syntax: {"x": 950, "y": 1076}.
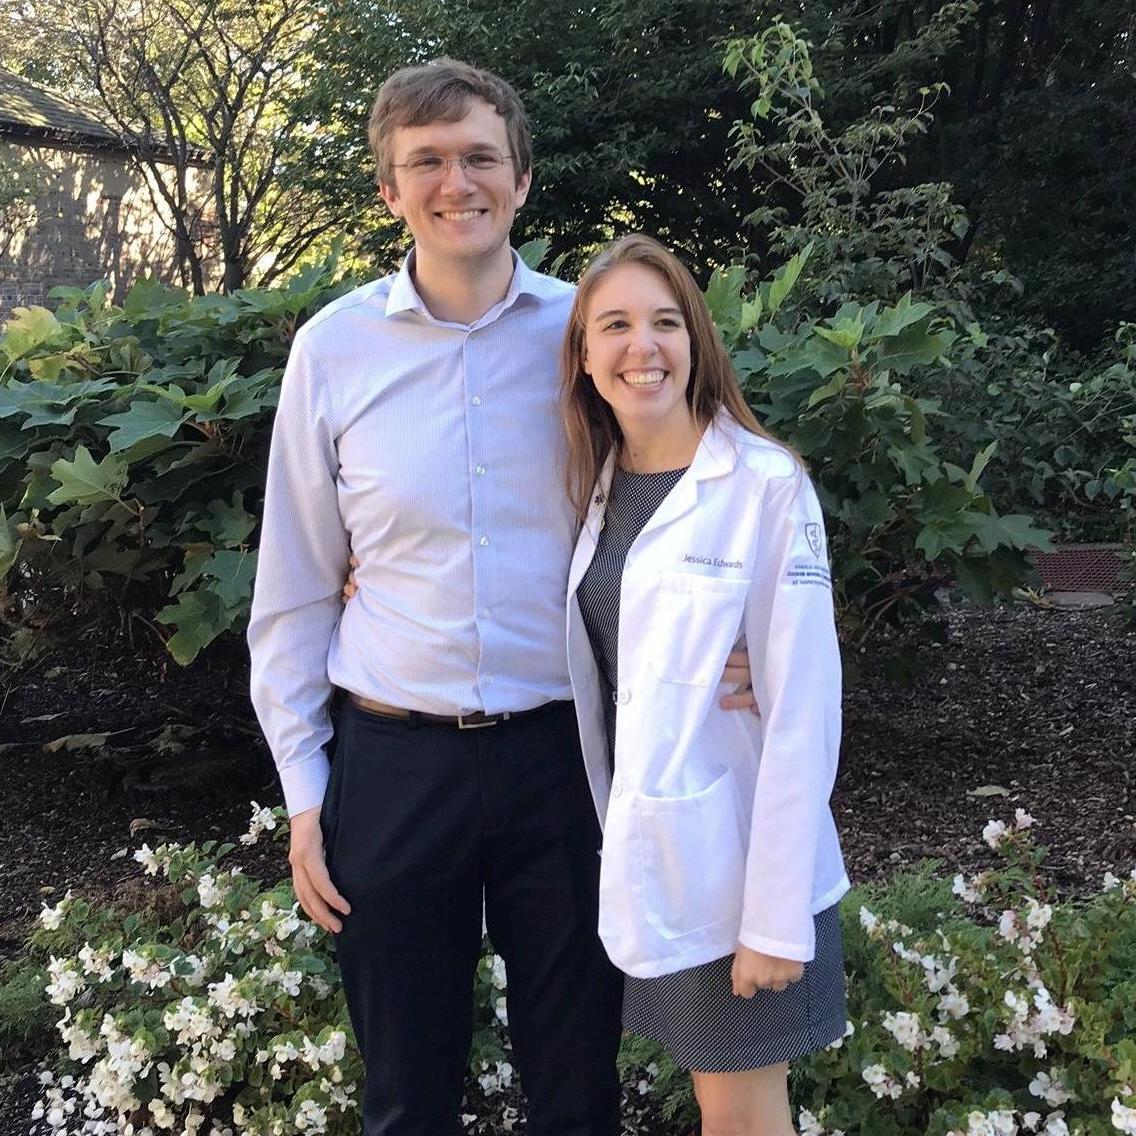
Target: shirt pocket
{"x": 692, "y": 859}
{"x": 697, "y": 622}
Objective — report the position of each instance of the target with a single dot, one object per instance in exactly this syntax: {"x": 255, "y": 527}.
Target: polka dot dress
{"x": 694, "y": 1013}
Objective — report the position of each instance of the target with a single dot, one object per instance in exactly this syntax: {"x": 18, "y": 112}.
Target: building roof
{"x": 31, "y": 113}
{"x": 35, "y": 112}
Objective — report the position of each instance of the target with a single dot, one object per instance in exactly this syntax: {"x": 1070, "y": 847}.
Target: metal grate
{"x": 1081, "y": 568}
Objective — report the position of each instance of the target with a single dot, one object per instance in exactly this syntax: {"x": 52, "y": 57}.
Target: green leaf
{"x": 9, "y": 544}
{"x": 14, "y": 443}
{"x": 815, "y": 353}
{"x": 199, "y": 617}
{"x": 227, "y": 523}
{"x": 724, "y": 297}
{"x": 834, "y": 386}
{"x": 844, "y": 333}
{"x": 981, "y": 460}
{"x": 83, "y": 480}
{"x": 233, "y": 573}
{"x": 27, "y": 329}
{"x": 144, "y": 418}
{"x": 533, "y": 252}
{"x": 913, "y": 347}
{"x": 783, "y": 281}
{"x": 891, "y": 321}
{"x": 149, "y": 299}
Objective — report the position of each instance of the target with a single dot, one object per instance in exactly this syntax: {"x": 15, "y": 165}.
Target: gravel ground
{"x": 1016, "y": 706}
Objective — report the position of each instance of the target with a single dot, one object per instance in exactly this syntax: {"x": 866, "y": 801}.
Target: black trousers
{"x": 418, "y": 824}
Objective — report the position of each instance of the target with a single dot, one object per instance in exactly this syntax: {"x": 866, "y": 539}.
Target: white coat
{"x": 717, "y": 827}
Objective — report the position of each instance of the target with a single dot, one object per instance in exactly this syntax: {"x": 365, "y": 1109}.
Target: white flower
{"x": 1123, "y": 1118}
{"x": 1110, "y": 881}
{"x": 1031, "y": 1120}
{"x": 1055, "y": 1125}
{"x": 906, "y": 1029}
{"x": 499, "y": 1008}
{"x": 96, "y": 963}
{"x": 964, "y": 890}
{"x": 152, "y": 864}
{"x": 994, "y": 832}
{"x": 868, "y": 920}
{"x": 881, "y": 1083}
{"x": 498, "y": 977}
{"x": 209, "y": 891}
{"x": 1022, "y": 819}
{"x": 1008, "y": 926}
{"x": 310, "y": 1117}
{"x": 808, "y": 1124}
{"x": 66, "y": 981}
{"x": 262, "y": 821}
{"x": 52, "y": 918}
{"x": 946, "y": 1042}
{"x": 1038, "y": 915}
{"x": 954, "y": 1004}
{"x": 1050, "y": 1087}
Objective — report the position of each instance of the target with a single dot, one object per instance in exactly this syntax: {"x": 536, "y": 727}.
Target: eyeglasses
{"x": 429, "y": 167}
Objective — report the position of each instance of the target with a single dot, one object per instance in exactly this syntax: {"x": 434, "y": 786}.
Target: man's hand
{"x": 313, "y": 886}
{"x": 752, "y": 971}
{"x": 349, "y": 585}
{"x": 737, "y": 674}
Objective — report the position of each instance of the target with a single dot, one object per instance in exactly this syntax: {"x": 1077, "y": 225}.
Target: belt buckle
{"x": 464, "y": 725}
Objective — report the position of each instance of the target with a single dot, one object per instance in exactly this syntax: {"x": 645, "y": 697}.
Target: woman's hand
{"x": 752, "y": 971}
{"x": 349, "y": 585}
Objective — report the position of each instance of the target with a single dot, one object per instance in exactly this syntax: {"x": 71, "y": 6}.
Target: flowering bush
{"x": 978, "y": 1008}
{"x": 1014, "y": 1014}
{"x": 982, "y": 1008}
{"x": 216, "y": 1009}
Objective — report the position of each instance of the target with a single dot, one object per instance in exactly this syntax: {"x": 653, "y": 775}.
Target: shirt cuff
{"x": 305, "y": 783}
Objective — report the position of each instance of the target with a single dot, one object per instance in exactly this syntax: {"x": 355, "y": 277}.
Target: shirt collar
{"x": 404, "y": 296}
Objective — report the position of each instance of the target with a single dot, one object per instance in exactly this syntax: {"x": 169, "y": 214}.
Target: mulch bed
{"x": 1017, "y": 706}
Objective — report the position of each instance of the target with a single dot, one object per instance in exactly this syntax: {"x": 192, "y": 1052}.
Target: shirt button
{"x": 481, "y": 469}
{"x": 476, "y": 400}
{"x": 617, "y": 788}
{"x": 483, "y": 541}
{"x": 484, "y": 613}
{"x": 623, "y": 697}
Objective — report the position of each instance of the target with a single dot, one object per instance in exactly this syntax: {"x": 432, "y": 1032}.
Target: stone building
{"x": 74, "y": 207}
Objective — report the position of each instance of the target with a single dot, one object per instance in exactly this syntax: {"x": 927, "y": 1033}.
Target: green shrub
{"x": 132, "y": 446}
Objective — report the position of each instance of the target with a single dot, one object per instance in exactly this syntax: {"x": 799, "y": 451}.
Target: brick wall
{"x": 93, "y": 219}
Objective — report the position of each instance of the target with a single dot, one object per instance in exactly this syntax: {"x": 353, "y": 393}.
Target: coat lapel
{"x": 590, "y": 531}
{"x": 714, "y": 457}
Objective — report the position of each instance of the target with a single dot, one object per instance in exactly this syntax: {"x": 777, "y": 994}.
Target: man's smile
{"x": 462, "y": 215}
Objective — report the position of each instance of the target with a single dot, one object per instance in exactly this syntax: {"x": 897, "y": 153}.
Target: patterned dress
{"x": 694, "y": 1013}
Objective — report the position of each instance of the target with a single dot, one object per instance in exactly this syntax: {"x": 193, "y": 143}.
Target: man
{"x": 418, "y": 427}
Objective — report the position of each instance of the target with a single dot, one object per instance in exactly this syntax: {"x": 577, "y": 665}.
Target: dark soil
{"x": 1017, "y": 706}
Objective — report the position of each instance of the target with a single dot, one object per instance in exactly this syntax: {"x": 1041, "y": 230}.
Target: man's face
{"x": 456, "y": 214}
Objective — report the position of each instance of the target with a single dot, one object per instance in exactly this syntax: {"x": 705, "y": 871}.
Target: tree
{"x": 213, "y": 83}
{"x": 629, "y": 107}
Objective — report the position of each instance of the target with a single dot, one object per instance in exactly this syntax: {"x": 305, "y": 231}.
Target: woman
{"x": 721, "y": 868}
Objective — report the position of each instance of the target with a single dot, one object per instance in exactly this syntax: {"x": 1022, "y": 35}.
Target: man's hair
{"x": 441, "y": 91}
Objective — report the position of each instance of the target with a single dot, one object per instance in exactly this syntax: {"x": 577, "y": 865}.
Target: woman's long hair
{"x": 593, "y": 431}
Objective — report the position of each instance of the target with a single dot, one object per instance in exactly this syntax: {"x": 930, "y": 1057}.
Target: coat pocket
{"x": 699, "y": 620}
{"x": 692, "y": 857}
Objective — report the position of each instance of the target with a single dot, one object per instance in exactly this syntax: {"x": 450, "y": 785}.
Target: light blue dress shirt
{"x": 435, "y": 452}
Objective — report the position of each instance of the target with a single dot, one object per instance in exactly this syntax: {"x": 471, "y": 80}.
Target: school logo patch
{"x": 812, "y": 535}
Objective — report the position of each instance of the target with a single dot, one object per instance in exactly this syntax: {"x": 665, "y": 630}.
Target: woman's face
{"x": 637, "y": 349}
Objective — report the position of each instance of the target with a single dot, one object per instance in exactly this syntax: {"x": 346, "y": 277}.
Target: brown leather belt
{"x": 473, "y": 721}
